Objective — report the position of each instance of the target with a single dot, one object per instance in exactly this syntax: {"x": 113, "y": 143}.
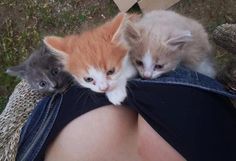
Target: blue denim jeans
{"x": 184, "y": 107}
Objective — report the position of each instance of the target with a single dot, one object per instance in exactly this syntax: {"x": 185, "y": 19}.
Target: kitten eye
{"x": 54, "y": 71}
{"x": 139, "y": 63}
{"x": 110, "y": 72}
{"x": 158, "y": 66}
{"x": 88, "y": 79}
{"x": 42, "y": 84}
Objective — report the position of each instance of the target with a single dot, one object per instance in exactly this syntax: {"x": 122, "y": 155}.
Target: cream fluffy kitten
{"x": 162, "y": 40}
{"x": 96, "y": 58}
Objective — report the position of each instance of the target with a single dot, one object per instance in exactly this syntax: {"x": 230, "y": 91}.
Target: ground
{"x": 24, "y": 24}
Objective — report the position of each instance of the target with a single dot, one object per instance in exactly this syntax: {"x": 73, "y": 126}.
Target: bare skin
{"x": 110, "y": 133}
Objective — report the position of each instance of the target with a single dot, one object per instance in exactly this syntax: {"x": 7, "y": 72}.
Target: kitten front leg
{"x": 117, "y": 95}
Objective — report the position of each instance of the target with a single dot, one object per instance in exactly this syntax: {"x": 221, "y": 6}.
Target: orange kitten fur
{"x": 96, "y": 59}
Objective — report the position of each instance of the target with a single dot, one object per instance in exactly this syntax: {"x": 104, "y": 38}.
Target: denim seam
{"x": 27, "y": 134}
{"x": 29, "y": 142}
{"x": 48, "y": 128}
{"x": 185, "y": 83}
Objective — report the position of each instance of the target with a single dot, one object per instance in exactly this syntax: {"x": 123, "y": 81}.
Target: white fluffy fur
{"x": 148, "y": 64}
{"x": 206, "y": 68}
{"x": 171, "y": 39}
{"x": 115, "y": 88}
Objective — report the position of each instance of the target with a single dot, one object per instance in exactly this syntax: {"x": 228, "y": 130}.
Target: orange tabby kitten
{"x": 96, "y": 59}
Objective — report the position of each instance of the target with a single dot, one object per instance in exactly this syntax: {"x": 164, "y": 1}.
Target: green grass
{"x": 3, "y": 102}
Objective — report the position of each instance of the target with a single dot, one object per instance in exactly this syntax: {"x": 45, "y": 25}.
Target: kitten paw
{"x": 117, "y": 96}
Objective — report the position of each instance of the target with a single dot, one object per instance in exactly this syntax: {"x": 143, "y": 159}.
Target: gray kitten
{"x": 43, "y": 71}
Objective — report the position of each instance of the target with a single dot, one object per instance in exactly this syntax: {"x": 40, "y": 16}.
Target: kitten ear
{"x": 117, "y": 26}
{"x": 19, "y": 70}
{"x": 43, "y": 49}
{"x": 56, "y": 45}
{"x": 131, "y": 34}
{"x": 125, "y": 31}
{"x": 179, "y": 40}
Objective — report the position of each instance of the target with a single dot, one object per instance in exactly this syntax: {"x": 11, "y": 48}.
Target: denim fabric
{"x": 37, "y": 127}
{"x": 47, "y": 115}
{"x": 185, "y": 77}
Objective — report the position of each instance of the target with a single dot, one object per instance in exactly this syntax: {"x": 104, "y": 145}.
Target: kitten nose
{"x": 147, "y": 75}
{"x": 103, "y": 87}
